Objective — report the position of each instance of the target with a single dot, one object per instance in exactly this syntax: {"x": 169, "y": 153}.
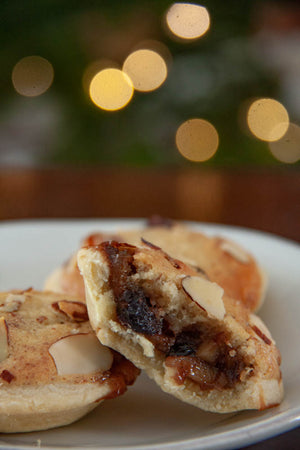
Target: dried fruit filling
{"x": 197, "y": 353}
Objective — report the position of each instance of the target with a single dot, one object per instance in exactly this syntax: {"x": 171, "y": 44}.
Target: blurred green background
{"x": 250, "y": 50}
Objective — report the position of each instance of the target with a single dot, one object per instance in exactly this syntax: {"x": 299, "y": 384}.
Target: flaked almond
{"x": 75, "y": 311}
{"x": 3, "y": 339}
{"x": 12, "y": 302}
{"x": 79, "y": 354}
{"x": 236, "y": 251}
{"x": 149, "y": 244}
{"x": 260, "y": 329}
{"x": 208, "y": 295}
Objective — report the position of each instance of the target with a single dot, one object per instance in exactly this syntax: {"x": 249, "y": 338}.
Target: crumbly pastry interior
{"x": 49, "y": 352}
{"x": 172, "y": 321}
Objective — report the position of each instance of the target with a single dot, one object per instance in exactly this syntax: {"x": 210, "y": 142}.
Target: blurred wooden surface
{"x": 259, "y": 199}
{"x": 263, "y": 200}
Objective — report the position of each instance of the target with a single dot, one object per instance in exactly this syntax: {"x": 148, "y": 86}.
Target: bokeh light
{"x": 157, "y": 47}
{"x": 187, "y": 21}
{"x": 287, "y": 149}
{"x": 197, "y": 140}
{"x": 111, "y": 89}
{"x": 93, "y": 68}
{"x": 32, "y": 76}
{"x": 146, "y": 68}
{"x": 267, "y": 119}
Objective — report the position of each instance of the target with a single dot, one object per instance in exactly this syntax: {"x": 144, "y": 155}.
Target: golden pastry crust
{"x": 180, "y": 327}
{"x": 48, "y": 351}
{"x": 223, "y": 261}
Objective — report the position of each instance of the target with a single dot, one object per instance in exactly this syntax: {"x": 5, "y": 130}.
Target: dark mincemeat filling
{"x": 119, "y": 376}
{"x": 139, "y": 311}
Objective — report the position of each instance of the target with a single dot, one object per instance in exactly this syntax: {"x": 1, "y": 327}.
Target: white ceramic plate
{"x": 145, "y": 417}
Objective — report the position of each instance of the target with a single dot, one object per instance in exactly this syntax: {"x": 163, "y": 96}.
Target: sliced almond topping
{"x": 208, "y": 295}
{"x": 76, "y": 311}
{"x": 12, "y": 302}
{"x": 236, "y": 251}
{"x": 3, "y": 339}
{"x": 80, "y": 354}
{"x": 149, "y": 244}
{"x": 260, "y": 329}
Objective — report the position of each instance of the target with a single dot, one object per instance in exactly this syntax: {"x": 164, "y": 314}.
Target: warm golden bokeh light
{"x": 32, "y": 76}
{"x": 287, "y": 149}
{"x": 111, "y": 89}
{"x": 93, "y": 68}
{"x": 157, "y": 47}
{"x": 146, "y": 68}
{"x": 197, "y": 140}
{"x": 188, "y": 21}
{"x": 267, "y": 119}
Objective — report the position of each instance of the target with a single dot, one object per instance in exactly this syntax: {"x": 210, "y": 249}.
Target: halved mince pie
{"x": 172, "y": 321}
{"x": 53, "y": 369}
{"x": 224, "y": 262}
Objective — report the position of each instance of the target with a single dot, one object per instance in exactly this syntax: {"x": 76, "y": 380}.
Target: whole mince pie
{"x": 53, "y": 369}
{"x": 221, "y": 260}
{"x": 172, "y": 321}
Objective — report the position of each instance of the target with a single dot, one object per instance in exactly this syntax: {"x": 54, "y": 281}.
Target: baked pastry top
{"x": 49, "y": 352}
{"x": 173, "y": 321}
{"x": 223, "y": 261}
